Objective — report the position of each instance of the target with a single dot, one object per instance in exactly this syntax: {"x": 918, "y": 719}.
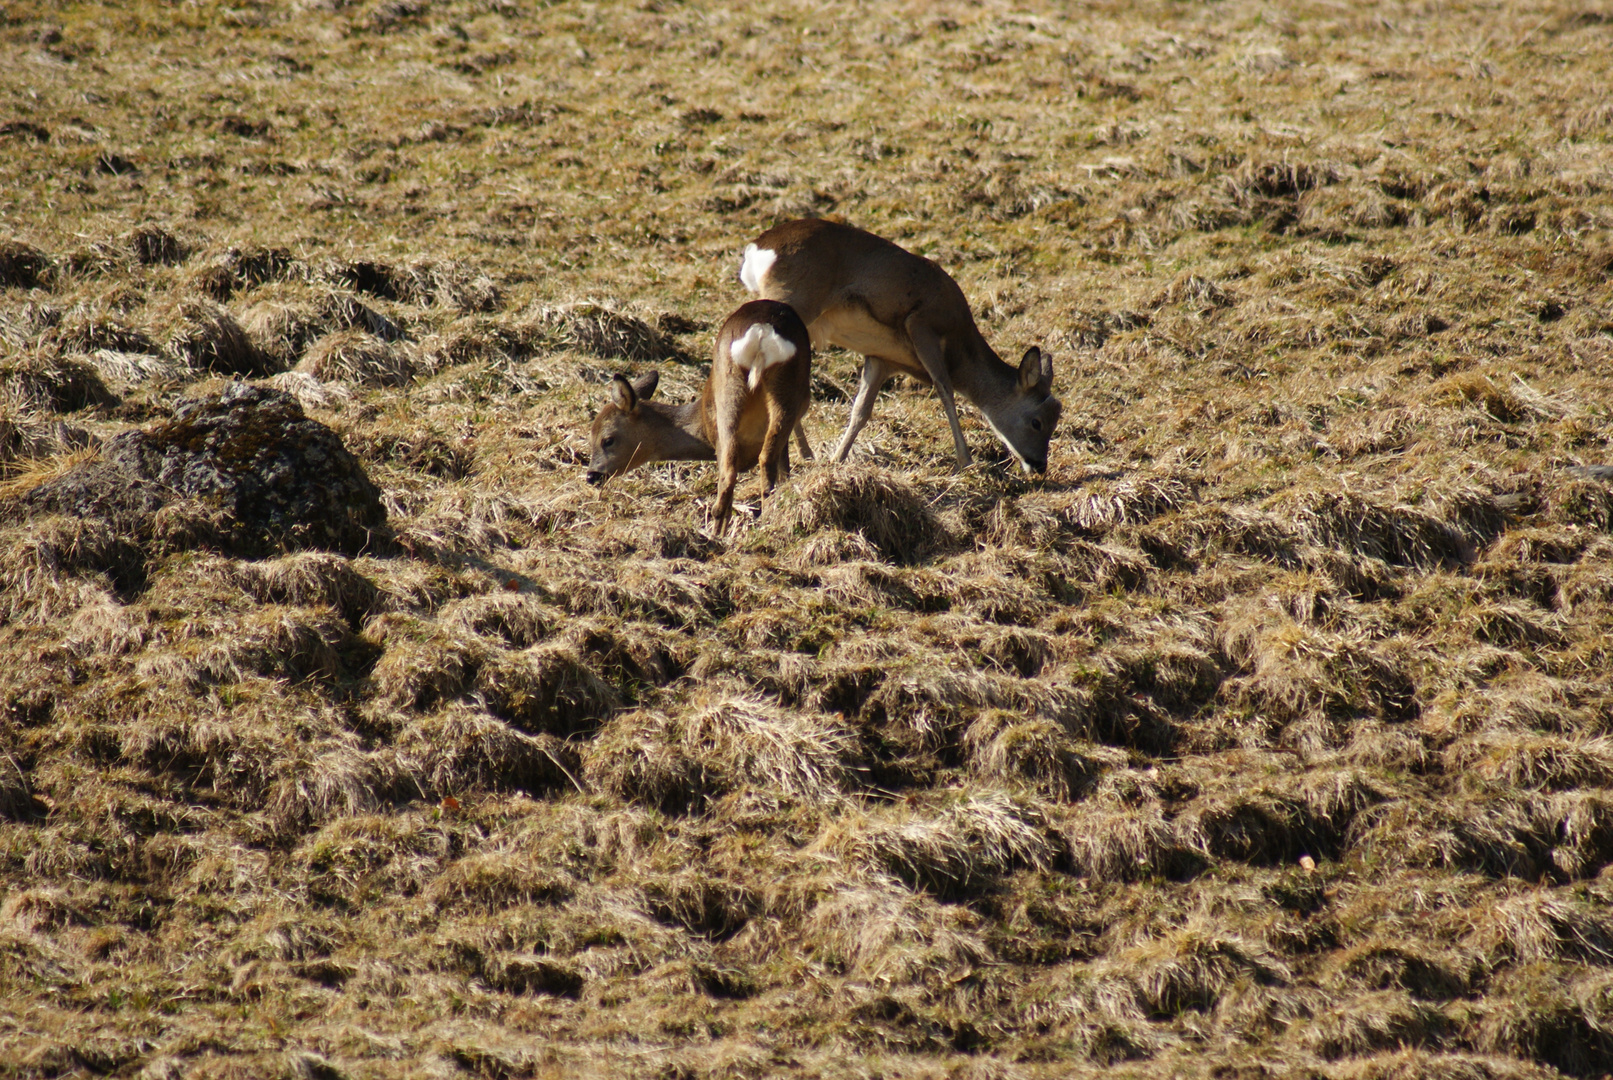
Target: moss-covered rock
{"x": 280, "y": 479}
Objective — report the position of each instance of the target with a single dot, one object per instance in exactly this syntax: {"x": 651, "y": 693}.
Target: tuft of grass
{"x": 27, "y": 436}
{"x": 601, "y": 329}
{"x": 1004, "y": 746}
{"x": 877, "y": 930}
{"x": 1385, "y": 1020}
{"x": 123, "y": 372}
{"x": 1540, "y": 1015}
{"x": 358, "y": 357}
{"x": 1115, "y": 838}
{"x": 548, "y": 688}
{"x": 1399, "y": 535}
{"x": 1191, "y": 969}
{"x": 153, "y": 245}
{"x": 950, "y": 852}
{"x": 205, "y": 337}
{"x": 23, "y": 266}
{"x": 721, "y": 745}
{"x": 1528, "y": 760}
{"x": 459, "y": 748}
{"x": 887, "y": 512}
{"x": 1101, "y": 504}
{"x": 282, "y": 329}
{"x": 51, "y": 383}
{"x": 45, "y": 557}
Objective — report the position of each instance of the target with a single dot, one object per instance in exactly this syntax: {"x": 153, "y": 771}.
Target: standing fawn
{"x": 906, "y": 316}
{"x": 758, "y": 391}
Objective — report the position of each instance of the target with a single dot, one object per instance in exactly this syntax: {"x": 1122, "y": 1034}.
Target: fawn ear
{"x": 622, "y": 395}
{"x": 644, "y": 386}
{"x": 1036, "y": 370}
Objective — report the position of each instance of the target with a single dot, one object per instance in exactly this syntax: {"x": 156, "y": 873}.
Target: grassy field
{"x": 1269, "y": 735}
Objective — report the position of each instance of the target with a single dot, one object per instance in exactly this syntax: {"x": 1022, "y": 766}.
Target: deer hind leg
{"x": 875, "y": 374}
{"x": 778, "y": 439}
{"x": 729, "y": 407}
{"x": 927, "y": 347}
{"x": 801, "y": 441}
{"x": 727, "y": 480}
{"x": 775, "y": 459}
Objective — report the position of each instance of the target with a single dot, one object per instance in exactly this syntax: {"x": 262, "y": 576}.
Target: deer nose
{"x": 595, "y": 477}
{"x": 1036, "y": 465}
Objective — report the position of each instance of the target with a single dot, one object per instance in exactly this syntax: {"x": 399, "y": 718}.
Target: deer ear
{"x": 1035, "y": 370}
{"x": 622, "y": 395}
{"x": 645, "y": 384}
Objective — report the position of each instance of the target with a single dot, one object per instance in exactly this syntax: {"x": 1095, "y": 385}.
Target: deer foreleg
{"x": 927, "y": 347}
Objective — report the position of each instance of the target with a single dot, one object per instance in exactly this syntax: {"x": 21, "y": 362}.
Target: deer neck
{"x": 682, "y": 439}
{"x": 978, "y": 373}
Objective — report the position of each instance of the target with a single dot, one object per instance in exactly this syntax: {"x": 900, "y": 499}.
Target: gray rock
{"x": 282, "y": 480}
{"x": 98, "y": 489}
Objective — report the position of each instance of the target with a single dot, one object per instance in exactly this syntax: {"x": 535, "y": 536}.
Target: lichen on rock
{"x": 283, "y": 480}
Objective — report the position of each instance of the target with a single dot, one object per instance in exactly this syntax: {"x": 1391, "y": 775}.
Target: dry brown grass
{"x": 355, "y": 356}
{"x": 1268, "y": 735}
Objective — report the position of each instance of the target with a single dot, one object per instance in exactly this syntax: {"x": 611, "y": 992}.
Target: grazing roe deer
{"x": 906, "y": 316}
{"x": 758, "y": 391}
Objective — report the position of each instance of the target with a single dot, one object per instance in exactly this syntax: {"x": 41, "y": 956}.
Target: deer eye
{"x": 1036, "y": 424}
{"x": 607, "y": 441}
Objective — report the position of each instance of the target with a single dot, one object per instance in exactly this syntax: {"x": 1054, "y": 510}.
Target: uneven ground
{"x": 1268, "y": 736}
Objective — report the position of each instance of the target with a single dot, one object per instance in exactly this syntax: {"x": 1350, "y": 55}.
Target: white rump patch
{"x": 758, "y": 261}
{"x": 759, "y": 348}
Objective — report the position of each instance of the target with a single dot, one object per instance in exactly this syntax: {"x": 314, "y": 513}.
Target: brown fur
{"x": 906, "y": 316}
{"x": 729, "y": 422}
